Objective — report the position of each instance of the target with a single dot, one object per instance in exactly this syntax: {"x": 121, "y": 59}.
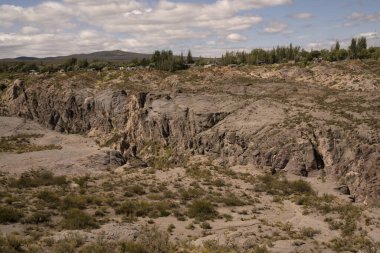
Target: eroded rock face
{"x": 236, "y": 130}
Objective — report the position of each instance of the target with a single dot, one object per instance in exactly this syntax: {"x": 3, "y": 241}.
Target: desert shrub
{"x": 309, "y": 232}
{"x": 354, "y": 244}
{"x": 21, "y": 144}
{"x": 154, "y": 240}
{"x": 48, "y": 196}
{"x": 171, "y": 228}
{"x": 133, "y": 208}
{"x": 134, "y": 190}
{"x": 205, "y": 225}
{"x": 133, "y": 247}
{"x": 232, "y": 200}
{"x": 11, "y": 243}
{"x": 9, "y": 214}
{"x": 275, "y": 186}
{"x": 38, "y": 217}
{"x": 77, "y": 219}
{"x": 202, "y": 210}
{"x": 36, "y": 178}
{"x": 82, "y": 181}
{"x": 199, "y": 173}
{"x": 69, "y": 244}
{"x": 218, "y": 182}
{"x": 191, "y": 193}
{"x": 74, "y": 201}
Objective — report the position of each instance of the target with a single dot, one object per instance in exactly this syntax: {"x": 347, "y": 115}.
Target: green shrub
{"x": 74, "y": 201}
{"x": 206, "y": 225}
{"x": 191, "y": 193}
{"x": 134, "y": 190}
{"x": 171, "y": 228}
{"x": 77, "y": 219}
{"x": 82, "y": 181}
{"x": 9, "y": 214}
{"x": 38, "y": 217}
{"x": 202, "y": 210}
{"x": 21, "y": 143}
{"x": 275, "y": 186}
{"x": 154, "y": 240}
{"x": 11, "y": 244}
{"x": 69, "y": 244}
{"x": 133, "y": 208}
{"x": 48, "y": 196}
{"x": 232, "y": 200}
{"x": 309, "y": 232}
{"x": 37, "y": 178}
{"x": 133, "y": 247}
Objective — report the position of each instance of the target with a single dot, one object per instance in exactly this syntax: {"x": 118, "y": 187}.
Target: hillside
{"x": 273, "y": 158}
{"x": 112, "y": 56}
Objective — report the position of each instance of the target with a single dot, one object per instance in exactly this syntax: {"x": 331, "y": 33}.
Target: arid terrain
{"x": 271, "y": 158}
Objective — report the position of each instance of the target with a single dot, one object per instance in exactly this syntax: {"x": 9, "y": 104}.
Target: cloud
{"x": 302, "y": 15}
{"x": 276, "y": 27}
{"x": 369, "y": 35}
{"x": 64, "y": 26}
{"x": 236, "y": 37}
{"x": 362, "y": 17}
{"x": 29, "y": 30}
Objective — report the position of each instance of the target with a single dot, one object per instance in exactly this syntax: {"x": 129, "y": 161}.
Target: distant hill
{"x": 112, "y": 56}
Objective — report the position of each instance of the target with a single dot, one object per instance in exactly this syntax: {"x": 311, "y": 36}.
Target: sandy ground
{"x": 79, "y": 155}
{"x": 256, "y": 223}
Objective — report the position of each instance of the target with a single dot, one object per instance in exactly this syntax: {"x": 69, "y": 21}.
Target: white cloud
{"x": 302, "y": 15}
{"x": 236, "y": 37}
{"x": 369, "y": 35}
{"x": 276, "y": 27}
{"x": 138, "y": 25}
{"x": 361, "y": 17}
{"x": 29, "y": 30}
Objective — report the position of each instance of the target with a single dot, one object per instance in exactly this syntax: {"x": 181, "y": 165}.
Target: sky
{"x": 42, "y": 28}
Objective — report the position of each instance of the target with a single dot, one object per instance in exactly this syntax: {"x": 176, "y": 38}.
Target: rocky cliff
{"x": 279, "y": 126}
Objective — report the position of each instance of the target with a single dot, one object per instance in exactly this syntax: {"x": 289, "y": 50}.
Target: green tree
{"x": 353, "y": 49}
{"x": 337, "y": 46}
{"x": 362, "y": 43}
{"x": 189, "y": 59}
{"x": 83, "y": 63}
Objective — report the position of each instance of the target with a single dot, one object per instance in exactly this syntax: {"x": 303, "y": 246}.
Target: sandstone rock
{"x": 233, "y": 131}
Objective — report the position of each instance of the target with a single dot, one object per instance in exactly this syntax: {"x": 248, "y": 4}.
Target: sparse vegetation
{"x": 21, "y": 143}
{"x": 77, "y": 219}
{"x": 276, "y": 186}
{"x": 202, "y": 210}
{"x": 194, "y": 198}
{"x": 9, "y": 214}
{"x": 37, "y": 178}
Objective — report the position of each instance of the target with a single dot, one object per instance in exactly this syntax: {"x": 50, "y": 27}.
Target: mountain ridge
{"x": 114, "y": 55}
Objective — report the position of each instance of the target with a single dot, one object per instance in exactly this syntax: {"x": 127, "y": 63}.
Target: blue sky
{"x": 207, "y": 27}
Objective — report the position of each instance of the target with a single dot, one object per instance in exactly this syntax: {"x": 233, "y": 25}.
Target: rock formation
{"x": 278, "y": 126}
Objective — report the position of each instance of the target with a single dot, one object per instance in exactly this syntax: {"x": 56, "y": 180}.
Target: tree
{"x": 165, "y": 60}
{"x": 353, "y": 49}
{"x": 337, "y": 46}
{"x": 70, "y": 64}
{"x": 362, "y": 43}
{"x": 291, "y": 56}
{"x": 83, "y": 64}
{"x": 189, "y": 59}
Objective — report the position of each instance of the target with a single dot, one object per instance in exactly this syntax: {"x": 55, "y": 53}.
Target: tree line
{"x": 357, "y": 50}
{"x": 165, "y": 60}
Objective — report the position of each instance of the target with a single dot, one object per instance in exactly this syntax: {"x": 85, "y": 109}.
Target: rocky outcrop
{"x": 234, "y": 131}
